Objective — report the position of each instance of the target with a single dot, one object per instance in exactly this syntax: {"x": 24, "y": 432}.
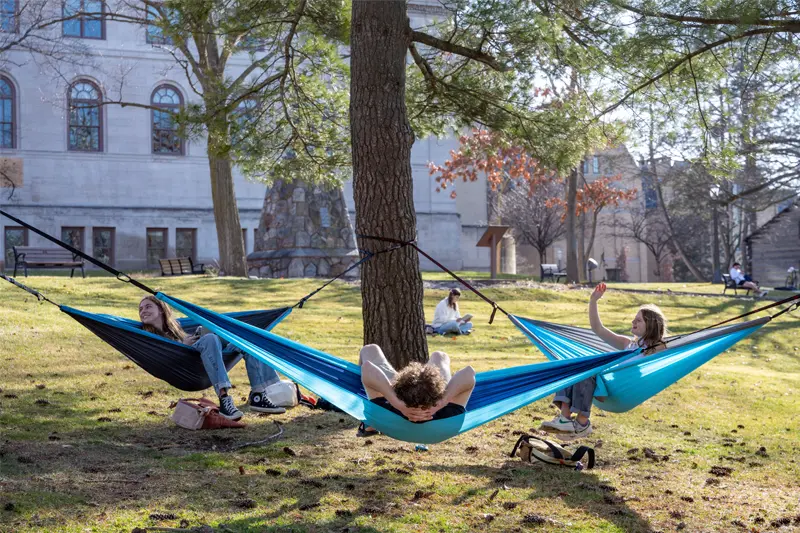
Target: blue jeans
{"x": 453, "y": 327}
{"x": 579, "y": 396}
{"x": 260, "y": 375}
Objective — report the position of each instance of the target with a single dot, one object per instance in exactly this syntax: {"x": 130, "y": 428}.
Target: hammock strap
{"x": 458, "y": 278}
{"x": 39, "y": 296}
{"x": 795, "y": 305}
{"x": 367, "y": 256}
{"x": 119, "y": 275}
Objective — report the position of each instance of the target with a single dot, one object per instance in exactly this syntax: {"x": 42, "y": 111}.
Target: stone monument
{"x": 305, "y": 231}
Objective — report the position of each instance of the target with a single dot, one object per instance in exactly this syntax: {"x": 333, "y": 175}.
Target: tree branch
{"x": 447, "y": 46}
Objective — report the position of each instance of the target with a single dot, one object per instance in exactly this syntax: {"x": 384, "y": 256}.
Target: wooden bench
{"x": 730, "y": 284}
{"x": 552, "y": 272}
{"x": 180, "y": 266}
{"x": 26, "y": 257}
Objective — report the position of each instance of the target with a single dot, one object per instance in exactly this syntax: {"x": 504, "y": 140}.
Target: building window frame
{"x": 162, "y": 250}
{"x": 595, "y": 165}
{"x": 111, "y": 256}
{"x": 8, "y": 126}
{"x": 193, "y": 236}
{"x": 156, "y": 132}
{"x": 75, "y": 104}
{"x": 9, "y": 20}
{"x": 8, "y": 252}
{"x": 155, "y": 34}
{"x": 81, "y": 232}
{"x": 83, "y": 19}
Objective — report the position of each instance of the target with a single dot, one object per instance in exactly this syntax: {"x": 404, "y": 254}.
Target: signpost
{"x": 491, "y": 239}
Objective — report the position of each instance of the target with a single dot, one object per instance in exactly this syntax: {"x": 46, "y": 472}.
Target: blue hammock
{"x": 176, "y": 363}
{"x": 628, "y": 384}
{"x": 496, "y": 392}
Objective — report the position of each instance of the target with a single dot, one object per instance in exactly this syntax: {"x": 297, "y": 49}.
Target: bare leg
{"x": 374, "y": 354}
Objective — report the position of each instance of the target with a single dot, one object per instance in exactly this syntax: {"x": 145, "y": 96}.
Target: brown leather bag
{"x": 201, "y": 413}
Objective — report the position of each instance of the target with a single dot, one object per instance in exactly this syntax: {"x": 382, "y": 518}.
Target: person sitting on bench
{"x": 157, "y": 318}
{"x": 746, "y": 282}
{"x": 417, "y": 392}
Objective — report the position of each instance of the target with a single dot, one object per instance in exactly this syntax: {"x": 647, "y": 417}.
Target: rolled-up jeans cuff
{"x": 587, "y": 414}
{"x": 561, "y": 398}
{"x": 222, "y": 385}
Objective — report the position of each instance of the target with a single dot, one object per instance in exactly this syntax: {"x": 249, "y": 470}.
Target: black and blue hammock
{"x": 176, "y": 363}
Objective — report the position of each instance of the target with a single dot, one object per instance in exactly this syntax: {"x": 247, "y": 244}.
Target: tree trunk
{"x": 592, "y": 234}
{"x": 582, "y": 270}
{"x": 391, "y": 284}
{"x": 226, "y": 216}
{"x": 572, "y": 245}
{"x": 715, "y": 266}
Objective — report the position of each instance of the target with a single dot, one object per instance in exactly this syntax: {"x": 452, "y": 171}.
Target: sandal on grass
{"x": 364, "y": 432}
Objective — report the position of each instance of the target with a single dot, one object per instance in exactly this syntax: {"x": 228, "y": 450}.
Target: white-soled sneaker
{"x": 228, "y": 409}
{"x": 558, "y": 424}
{"x": 259, "y": 403}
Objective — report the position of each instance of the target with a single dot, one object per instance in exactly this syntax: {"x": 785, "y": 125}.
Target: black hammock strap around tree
{"x": 176, "y": 363}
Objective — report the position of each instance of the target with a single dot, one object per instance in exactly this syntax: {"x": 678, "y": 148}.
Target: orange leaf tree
{"x": 505, "y": 163}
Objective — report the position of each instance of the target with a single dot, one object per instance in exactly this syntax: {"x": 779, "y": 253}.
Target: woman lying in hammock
{"x": 649, "y": 327}
{"x": 157, "y": 317}
{"x": 417, "y": 392}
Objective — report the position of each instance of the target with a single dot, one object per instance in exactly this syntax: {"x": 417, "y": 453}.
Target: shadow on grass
{"x": 582, "y": 490}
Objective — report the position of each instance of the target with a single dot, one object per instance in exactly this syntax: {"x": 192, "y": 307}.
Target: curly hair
{"x": 419, "y": 386}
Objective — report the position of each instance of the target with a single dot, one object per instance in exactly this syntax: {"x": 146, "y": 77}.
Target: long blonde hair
{"x": 169, "y": 326}
{"x": 655, "y": 327}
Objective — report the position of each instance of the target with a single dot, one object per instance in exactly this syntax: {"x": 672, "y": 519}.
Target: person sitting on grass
{"x": 448, "y": 319}
{"x": 417, "y": 392}
{"x": 649, "y": 327}
{"x": 157, "y": 318}
{"x": 744, "y": 281}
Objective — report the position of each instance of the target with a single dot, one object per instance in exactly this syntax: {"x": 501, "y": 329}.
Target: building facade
{"x": 119, "y": 183}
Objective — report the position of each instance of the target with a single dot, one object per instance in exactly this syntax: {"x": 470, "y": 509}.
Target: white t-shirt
{"x": 736, "y": 275}
{"x": 444, "y": 314}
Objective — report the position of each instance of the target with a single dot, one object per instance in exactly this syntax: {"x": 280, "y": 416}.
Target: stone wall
{"x": 305, "y": 231}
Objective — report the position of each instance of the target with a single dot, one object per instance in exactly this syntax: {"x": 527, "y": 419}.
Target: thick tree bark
{"x": 226, "y": 217}
{"x": 572, "y": 245}
{"x": 391, "y": 284}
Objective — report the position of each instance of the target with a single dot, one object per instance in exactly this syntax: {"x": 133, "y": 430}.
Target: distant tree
{"x": 537, "y": 217}
{"x": 647, "y": 226}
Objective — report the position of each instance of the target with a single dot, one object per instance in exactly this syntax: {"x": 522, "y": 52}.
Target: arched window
{"x": 85, "y": 117}
{"x": 7, "y": 113}
{"x": 166, "y": 135}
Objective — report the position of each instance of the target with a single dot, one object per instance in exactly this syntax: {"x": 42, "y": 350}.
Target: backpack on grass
{"x": 529, "y": 447}
{"x": 201, "y": 413}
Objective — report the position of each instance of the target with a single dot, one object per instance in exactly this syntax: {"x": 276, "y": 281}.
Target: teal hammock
{"x": 626, "y": 385}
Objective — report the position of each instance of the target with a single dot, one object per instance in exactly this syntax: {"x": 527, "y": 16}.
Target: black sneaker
{"x": 259, "y": 402}
{"x": 228, "y": 409}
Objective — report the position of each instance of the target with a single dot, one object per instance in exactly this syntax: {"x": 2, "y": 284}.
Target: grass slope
{"x": 85, "y": 443}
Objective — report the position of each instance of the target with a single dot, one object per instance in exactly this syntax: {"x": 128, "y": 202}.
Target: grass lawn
{"x": 86, "y": 445}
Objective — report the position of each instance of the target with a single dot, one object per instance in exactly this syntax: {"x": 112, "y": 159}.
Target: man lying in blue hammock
{"x": 157, "y": 317}
{"x": 649, "y": 327}
{"x": 417, "y": 392}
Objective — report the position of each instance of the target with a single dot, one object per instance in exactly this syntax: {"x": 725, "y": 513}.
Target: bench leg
{"x": 15, "y": 269}
{"x": 83, "y": 272}
{"x": 26, "y": 271}
{"x": 72, "y": 273}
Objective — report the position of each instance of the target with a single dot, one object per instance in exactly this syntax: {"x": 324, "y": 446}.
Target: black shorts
{"x": 742, "y": 282}
{"x": 448, "y": 411}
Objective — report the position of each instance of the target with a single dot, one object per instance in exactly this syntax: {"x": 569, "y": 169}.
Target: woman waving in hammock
{"x": 157, "y": 317}
{"x": 649, "y": 327}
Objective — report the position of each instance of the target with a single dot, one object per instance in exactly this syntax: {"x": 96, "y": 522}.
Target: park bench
{"x": 180, "y": 266}
{"x": 552, "y": 272}
{"x": 731, "y": 284}
{"x": 26, "y": 257}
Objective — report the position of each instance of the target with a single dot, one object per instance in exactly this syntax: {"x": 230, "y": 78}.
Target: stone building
{"x": 131, "y": 190}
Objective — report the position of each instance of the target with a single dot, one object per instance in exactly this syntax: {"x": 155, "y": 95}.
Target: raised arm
{"x": 620, "y": 342}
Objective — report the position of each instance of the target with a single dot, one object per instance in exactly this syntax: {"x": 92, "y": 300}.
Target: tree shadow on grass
{"x": 583, "y": 490}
